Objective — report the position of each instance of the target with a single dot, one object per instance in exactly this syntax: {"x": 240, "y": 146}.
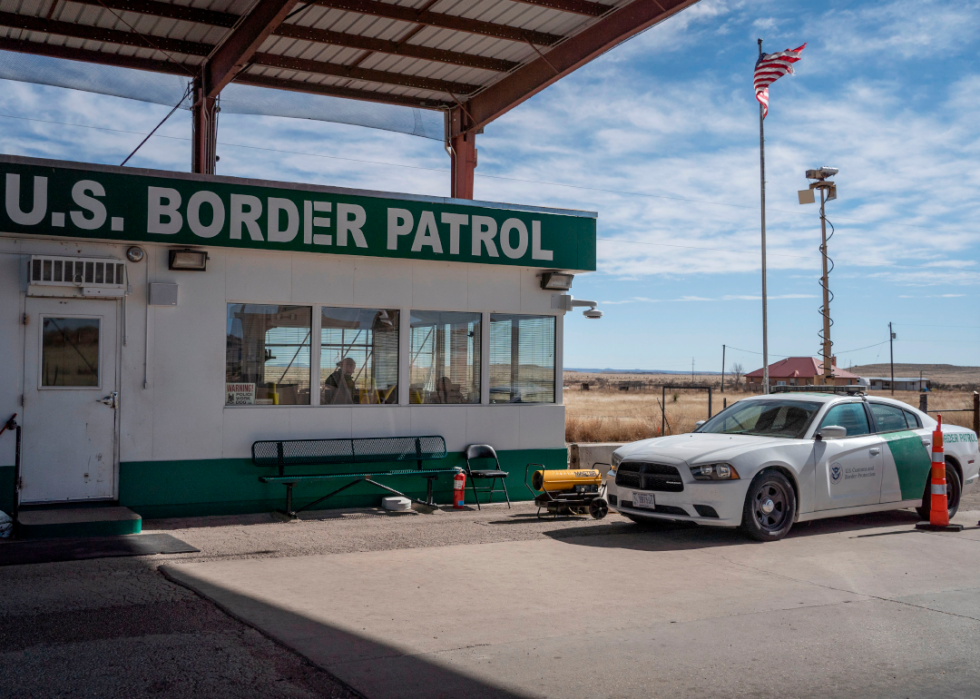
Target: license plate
{"x": 645, "y": 500}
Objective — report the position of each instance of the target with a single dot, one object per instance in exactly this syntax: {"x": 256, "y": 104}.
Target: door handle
{"x": 112, "y": 400}
{"x": 875, "y": 450}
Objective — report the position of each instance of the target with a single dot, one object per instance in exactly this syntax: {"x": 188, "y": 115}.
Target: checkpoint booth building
{"x": 156, "y": 324}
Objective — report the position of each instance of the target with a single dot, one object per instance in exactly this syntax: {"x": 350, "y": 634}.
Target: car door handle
{"x": 875, "y": 450}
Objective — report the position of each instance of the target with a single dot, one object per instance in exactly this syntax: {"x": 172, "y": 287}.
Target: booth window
{"x": 522, "y": 359}
{"x": 358, "y": 356}
{"x": 70, "y": 352}
{"x": 445, "y": 357}
{"x": 268, "y": 354}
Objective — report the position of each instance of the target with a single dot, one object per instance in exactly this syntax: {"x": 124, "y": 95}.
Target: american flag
{"x": 771, "y": 67}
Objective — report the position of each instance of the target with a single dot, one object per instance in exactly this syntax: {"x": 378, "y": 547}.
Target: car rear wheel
{"x": 953, "y": 490}
{"x": 770, "y": 507}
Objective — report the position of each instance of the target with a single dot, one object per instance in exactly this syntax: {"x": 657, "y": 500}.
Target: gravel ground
{"x": 116, "y": 627}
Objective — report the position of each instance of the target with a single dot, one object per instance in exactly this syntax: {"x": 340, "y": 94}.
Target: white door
{"x": 848, "y": 470}
{"x": 69, "y": 400}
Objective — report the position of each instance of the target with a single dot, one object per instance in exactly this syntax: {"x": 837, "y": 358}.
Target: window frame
{"x": 555, "y": 389}
{"x": 314, "y": 358}
{"x": 872, "y": 427}
{"x": 905, "y": 413}
{"x": 317, "y": 349}
{"x": 40, "y": 348}
{"x": 918, "y": 420}
{"x": 481, "y": 367}
{"x": 404, "y": 356}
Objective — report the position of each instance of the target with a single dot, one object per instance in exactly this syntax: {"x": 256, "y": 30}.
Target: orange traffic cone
{"x": 938, "y": 505}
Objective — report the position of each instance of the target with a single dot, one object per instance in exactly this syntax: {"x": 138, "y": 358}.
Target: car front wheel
{"x": 770, "y": 507}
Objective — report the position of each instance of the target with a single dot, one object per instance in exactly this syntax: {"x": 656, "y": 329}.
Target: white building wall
{"x": 176, "y": 411}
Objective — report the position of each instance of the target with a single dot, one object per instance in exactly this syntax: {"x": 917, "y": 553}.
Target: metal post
{"x": 709, "y": 402}
{"x": 17, "y": 481}
{"x": 827, "y": 366}
{"x": 462, "y": 156}
{"x": 762, "y": 176}
{"x": 924, "y": 402}
{"x": 204, "y": 122}
{"x": 976, "y": 412}
{"x": 891, "y": 354}
{"x": 723, "y": 368}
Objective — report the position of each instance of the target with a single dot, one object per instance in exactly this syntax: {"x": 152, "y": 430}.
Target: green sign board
{"x": 91, "y": 201}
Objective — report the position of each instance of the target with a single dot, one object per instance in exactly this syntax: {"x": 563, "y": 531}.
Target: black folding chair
{"x": 485, "y": 451}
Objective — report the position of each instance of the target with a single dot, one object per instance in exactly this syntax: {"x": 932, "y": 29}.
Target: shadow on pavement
{"x": 366, "y": 666}
{"x": 674, "y": 535}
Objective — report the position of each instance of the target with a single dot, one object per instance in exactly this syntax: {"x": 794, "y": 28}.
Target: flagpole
{"x": 762, "y": 175}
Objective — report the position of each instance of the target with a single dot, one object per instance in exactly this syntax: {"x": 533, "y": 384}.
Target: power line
{"x": 187, "y": 92}
{"x": 958, "y": 327}
{"x": 862, "y": 348}
{"x": 781, "y": 356}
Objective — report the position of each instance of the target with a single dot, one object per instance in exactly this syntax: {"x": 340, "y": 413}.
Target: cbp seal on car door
{"x": 836, "y": 473}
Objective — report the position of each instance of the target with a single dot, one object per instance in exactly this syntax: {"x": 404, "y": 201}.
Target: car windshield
{"x": 769, "y": 418}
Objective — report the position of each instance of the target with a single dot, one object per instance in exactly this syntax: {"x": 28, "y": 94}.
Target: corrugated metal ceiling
{"x": 410, "y": 53}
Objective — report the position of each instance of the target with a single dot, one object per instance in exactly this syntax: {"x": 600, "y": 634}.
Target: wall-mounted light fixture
{"x": 557, "y": 281}
{"x": 188, "y": 260}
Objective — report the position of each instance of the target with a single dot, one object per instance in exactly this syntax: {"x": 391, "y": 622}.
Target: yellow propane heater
{"x": 567, "y": 491}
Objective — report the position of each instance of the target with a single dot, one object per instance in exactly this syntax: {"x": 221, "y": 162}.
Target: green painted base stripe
{"x": 57, "y": 531}
{"x": 912, "y": 462}
{"x": 158, "y": 489}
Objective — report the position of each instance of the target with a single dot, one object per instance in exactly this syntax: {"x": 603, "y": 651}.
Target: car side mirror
{"x": 699, "y": 423}
{"x": 832, "y": 432}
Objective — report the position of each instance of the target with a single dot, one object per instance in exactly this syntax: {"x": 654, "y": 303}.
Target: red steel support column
{"x": 204, "y": 120}
{"x": 463, "y": 165}
{"x": 462, "y": 157}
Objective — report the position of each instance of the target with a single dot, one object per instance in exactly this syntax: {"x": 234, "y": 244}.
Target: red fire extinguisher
{"x": 459, "y": 497}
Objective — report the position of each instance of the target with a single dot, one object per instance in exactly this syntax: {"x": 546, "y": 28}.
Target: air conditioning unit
{"x": 56, "y": 275}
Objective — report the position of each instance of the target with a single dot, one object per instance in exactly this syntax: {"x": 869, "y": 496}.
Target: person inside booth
{"x": 339, "y": 388}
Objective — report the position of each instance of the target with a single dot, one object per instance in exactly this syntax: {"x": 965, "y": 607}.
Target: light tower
{"x": 828, "y": 192}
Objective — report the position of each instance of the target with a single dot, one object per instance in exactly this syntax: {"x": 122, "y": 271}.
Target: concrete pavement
{"x": 862, "y": 606}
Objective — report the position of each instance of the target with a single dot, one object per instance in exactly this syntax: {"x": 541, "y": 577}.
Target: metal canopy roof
{"x": 475, "y": 58}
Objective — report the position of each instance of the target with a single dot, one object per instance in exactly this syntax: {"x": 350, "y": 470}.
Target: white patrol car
{"x": 766, "y": 462}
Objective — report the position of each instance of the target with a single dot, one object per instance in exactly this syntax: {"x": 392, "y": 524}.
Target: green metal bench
{"x": 287, "y": 454}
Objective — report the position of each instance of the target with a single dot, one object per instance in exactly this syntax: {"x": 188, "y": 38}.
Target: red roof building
{"x": 801, "y": 371}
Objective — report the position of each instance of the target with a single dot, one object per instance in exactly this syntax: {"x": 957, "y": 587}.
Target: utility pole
{"x": 828, "y": 192}
{"x": 825, "y": 282}
{"x": 762, "y": 177}
{"x": 723, "y": 368}
{"x": 891, "y": 355}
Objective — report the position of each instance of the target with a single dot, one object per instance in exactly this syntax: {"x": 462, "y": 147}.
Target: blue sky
{"x": 660, "y": 137}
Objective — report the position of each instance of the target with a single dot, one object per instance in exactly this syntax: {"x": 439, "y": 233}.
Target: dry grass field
{"x": 607, "y": 414}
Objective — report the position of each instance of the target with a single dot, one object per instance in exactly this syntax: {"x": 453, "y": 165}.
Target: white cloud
{"x": 672, "y": 168}
{"x": 906, "y": 29}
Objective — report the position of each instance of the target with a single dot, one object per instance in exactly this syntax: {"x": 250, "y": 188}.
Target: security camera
{"x": 592, "y": 313}
{"x": 822, "y": 173}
